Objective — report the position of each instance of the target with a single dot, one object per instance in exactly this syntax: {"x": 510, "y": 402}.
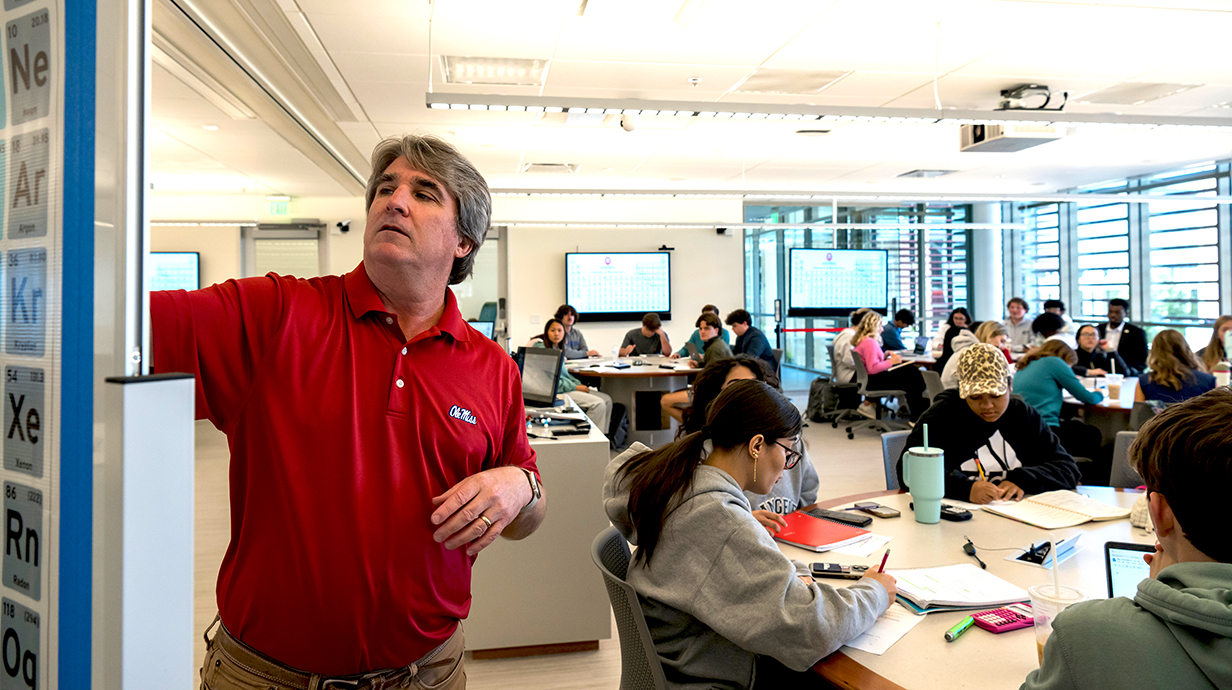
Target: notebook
{"x": 818, "y": 534}
{"x": 954, "y": 588}
{"x": 1057, "y": 509}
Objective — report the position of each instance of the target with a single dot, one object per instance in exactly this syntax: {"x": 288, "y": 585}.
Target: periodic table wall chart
{"x": 618, "y": 285}
{"x": 31, "y": 140}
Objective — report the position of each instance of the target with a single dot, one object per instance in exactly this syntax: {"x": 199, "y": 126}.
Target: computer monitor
{"x": 540, "y": 367}
{"x": 485, "y": 327}
{"x": 1125, "y": 567}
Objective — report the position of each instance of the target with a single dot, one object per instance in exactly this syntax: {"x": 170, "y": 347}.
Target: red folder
{"x": 818, "y": 534}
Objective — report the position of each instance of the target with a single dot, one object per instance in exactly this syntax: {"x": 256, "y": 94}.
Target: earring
{"x": 754, "y": 468}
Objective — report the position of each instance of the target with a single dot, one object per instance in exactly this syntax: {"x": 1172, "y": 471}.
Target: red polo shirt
{"x": 340, "y": 434}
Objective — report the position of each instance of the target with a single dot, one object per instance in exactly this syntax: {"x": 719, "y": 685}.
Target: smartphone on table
{"x": 877, "y": 510}
{"x": 846, "y": 572}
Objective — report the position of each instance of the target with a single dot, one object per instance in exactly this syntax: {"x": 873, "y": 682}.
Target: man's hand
{"x": 1103, "y": 344}
{"x": 626, "y": 351}
{"x": 592, "y": 353}
{"x": 674, "y": 355}
{"x": 984, "y": 492}
{"x": 773, "y": 522}
{"x": 498, "y": 495}
{"x": 581, "y": 387}
{"x": 1010, "y": 491}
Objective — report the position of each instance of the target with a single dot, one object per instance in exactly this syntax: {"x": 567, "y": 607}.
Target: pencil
{"x": 883, "y": 561}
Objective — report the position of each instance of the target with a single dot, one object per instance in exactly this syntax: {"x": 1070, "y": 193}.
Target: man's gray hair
{"x": 439, "y": 159}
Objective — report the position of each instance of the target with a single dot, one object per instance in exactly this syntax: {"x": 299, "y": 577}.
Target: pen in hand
{"x": 881, "y": 569}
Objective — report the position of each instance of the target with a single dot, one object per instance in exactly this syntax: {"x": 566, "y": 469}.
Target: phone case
{"x": 1006, "y": 618}
{"x": 846, "y": 572}
{"x": 949, "y": 512}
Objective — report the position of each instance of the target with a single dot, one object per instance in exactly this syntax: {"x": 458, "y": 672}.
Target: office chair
{"x": 1139, "y": 415}
{"x": 932, "y": 380}
{"x": 878, "y": 397}
{"x": 892, "y": 444}
{"x": 1123, "y": 476}
{"x": 639, "y": 665}
{"x": 778, "y": 363}
{"x": 839, "y": 414}
{"x": 488, "y": 311}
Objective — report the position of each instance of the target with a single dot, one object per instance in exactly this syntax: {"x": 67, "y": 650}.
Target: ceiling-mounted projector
{"x": 1005, "y": 138}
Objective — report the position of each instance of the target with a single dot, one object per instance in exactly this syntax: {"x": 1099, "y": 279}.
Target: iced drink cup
{"x": 1114, "y": 387}
{"x": 1046, "y": 602}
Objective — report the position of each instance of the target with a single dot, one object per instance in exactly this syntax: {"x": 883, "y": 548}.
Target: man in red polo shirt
{"x": 377, "y": 443}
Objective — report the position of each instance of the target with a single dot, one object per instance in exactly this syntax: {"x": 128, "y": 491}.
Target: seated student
{"x": 880, "y": 374}
{"x": 1092, "y": 359}
{"x": 647, "y": 340}
{"x": 991, "y": 332}
{"x": 749, "y": 338}
{"x": 1042, "y": 374}
{"x": 1177, "y": 630}
{"x": 713, "y": 347}
{"x": 943, "y": 343}
{"x": 1124, "y": 338}
{"x": 1049, "y": 326}
{"x": 697, "y": 339}
{"x": 1214, "y": 352}
{"x": 798, "y": 485}
{"x": 723, "y": 604}
{"x": 844, "y": 367}
{"x": 961, "y": 422}
{"x": 596, "y": 404}
{"x": 1017, "y": 326}
{"x": 575, "y": 342}
{"x": 1056, "y": 306}
{"x": 1175, "y": 373}
{"x": 892, "y": 334}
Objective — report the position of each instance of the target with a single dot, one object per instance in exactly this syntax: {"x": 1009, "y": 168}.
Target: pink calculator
{"x": 1011, "y": 617}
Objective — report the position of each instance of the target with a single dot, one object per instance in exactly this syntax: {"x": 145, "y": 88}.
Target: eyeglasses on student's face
{"x": 793, "y": 457}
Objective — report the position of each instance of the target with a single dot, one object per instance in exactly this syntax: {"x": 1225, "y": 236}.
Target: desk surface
{"x": 922, "y": 658}
{"x": 587, "y": 367}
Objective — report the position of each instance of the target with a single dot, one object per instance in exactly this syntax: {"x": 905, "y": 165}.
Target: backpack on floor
{"x": 822, "y": 398}
{"x": 618, "y": 427}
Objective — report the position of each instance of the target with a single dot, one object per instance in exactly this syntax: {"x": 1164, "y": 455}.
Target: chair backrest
{"x": 892, "y": 444}
{"x": 861, "y": 371}
{"x": 778, "y": 361}
{"x": 1139, "y": 415}
{"x": 488, "y": 311}
{"x": 639, "y": 665}
{"x": 1123, "y": 476}
{"x": 932, "y": 381}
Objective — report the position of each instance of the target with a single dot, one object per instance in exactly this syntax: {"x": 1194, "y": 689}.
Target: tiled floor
{"x": 844, "y": 466}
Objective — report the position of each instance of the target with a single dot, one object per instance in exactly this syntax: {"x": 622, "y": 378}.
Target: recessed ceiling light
{"x": 210, "y": 128}
{"x": 812, "y": 132}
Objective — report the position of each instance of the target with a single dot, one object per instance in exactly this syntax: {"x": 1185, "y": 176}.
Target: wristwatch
{"x": 535, "y": 490}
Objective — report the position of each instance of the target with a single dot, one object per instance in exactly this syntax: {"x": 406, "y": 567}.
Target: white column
{"x": 985, "y": 289}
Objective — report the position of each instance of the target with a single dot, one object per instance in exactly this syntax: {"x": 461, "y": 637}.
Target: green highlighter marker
{"x": 953, "y": 633}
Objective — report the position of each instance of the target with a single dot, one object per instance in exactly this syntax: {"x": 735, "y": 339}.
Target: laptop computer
{"x": 487, "y": 328}
{"x": 1125, "y": 568}
{"x": 921, "y": 345}
{"x": 540, "y": 367}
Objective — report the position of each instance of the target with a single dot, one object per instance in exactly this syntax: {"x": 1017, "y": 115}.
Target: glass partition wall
{"x": 928, "y": 266}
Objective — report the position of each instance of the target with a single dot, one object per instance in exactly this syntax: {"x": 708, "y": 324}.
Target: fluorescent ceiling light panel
{"x": 789, "y": 81}
{"x": 496, "y": 71}
{"x": 927, "y": 173}
{"x": 1136, "y": 93}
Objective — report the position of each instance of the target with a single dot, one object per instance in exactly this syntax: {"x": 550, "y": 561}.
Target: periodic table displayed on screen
{"x": 835, "y": 282}
{"x": 619, "y": 286}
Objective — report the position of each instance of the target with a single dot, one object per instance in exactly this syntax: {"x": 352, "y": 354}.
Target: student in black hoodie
{"x": 961, "y": 422}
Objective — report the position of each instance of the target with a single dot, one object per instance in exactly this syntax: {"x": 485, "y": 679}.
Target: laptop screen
{"x": 921, "y": 344}
{"x": 1125, "y": 567}
{"x": 484, "y": 327}
{"x": 540, "y": 370}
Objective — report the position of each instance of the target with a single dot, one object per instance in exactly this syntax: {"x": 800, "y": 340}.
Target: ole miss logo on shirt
{"x": 463, "y": 414}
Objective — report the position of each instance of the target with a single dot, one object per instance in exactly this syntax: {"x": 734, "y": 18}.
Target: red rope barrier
{"x": 810, "y": 330}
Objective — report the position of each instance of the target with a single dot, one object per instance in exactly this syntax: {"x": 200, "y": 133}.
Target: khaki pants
{"x": 232, "y": 665}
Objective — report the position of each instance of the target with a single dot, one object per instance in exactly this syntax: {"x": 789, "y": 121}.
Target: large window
{"x": 1165, "y": 249}
{"x": 927, "y": 265}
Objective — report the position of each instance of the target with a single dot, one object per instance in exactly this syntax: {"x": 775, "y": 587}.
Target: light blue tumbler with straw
{"x": 924, "y": 474}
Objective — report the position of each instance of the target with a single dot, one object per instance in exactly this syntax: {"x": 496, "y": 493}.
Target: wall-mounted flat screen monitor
{"x": 619, "y": 286}
{"x": 175, "y": 271}
{"x": 836, "y": 282}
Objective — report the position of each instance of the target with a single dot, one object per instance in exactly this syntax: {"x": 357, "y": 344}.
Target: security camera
{"x": 344, "y": 226}
{"x": 628, "y": 122}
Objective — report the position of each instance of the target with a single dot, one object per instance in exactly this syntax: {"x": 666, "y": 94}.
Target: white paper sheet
{"x": 865, "y": 548}
{"x": 889, "y": 628}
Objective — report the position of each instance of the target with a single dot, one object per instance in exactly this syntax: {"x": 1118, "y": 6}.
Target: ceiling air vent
{"x": 550, "y": 168}
{"x": 927, "y": 173}
{"x": 1135, "y": 93}
{"x": 802, "y": 82}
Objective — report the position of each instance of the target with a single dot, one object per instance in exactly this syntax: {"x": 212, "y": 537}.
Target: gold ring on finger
{"x": 486, "y": 520}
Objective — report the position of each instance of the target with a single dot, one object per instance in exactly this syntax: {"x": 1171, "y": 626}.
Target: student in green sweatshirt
{"x": 725, "y": 607}
{"x": 1177, "y": 631}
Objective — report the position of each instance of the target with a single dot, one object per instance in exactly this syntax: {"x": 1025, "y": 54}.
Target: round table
{"x": 639, "y": 388}
{"x": 922, "y": 659}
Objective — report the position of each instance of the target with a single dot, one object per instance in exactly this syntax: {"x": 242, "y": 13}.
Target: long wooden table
{"x": 923, "y": 660}
{"x": 638, "y": 388}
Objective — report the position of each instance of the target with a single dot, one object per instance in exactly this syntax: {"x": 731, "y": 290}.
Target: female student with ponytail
{"x": 725, "y": 607}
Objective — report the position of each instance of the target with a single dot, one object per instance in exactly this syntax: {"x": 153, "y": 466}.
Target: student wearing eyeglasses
{"x": 724, "y": 606}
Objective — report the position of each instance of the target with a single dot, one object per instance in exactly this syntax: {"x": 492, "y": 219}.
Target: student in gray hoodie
{"x": 725, "y": 607}
{"x": 1177, "y": 631}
